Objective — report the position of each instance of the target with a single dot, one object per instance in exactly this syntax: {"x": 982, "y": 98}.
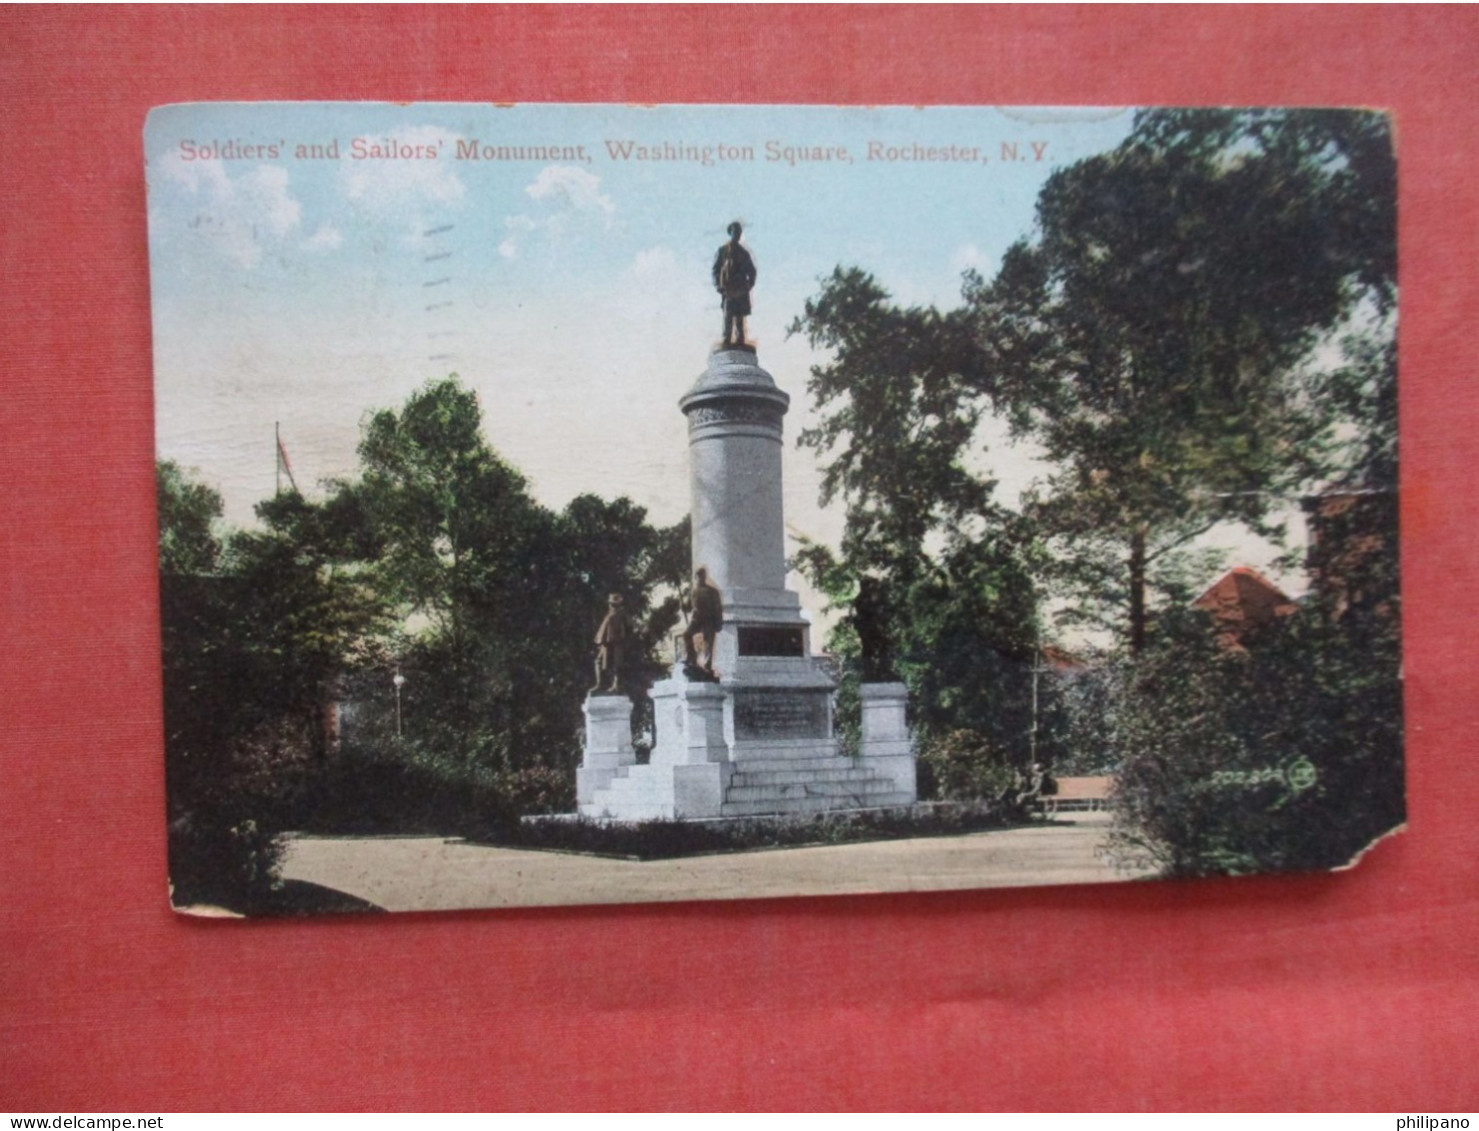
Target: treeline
{"x": 409, "y": 653}
{"x": 1199, "y": 330}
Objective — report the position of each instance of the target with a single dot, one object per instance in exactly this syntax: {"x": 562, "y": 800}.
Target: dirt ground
{"x": 434, "y": 874}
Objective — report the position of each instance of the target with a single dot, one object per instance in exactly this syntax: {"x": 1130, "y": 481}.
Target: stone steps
{"x": 811, "y": 805}
{"x": 790, "y": 776}
{"x": 766, "y": 765}
{"x": 860, "y": 790}
{"x": 637, "y": 792}
{"x": 764, "y": 787}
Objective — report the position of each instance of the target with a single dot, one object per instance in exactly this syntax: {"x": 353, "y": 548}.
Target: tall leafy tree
{"x": 257, "y": 629}
{"x": 189, "y": 514}
{"x": 500, "y": 596}
{"x": 899, "y": 426}
{"x": 1151, "y": 334}
{"x": 1163, "y": 337}
{"x": 435, "y": 561}
{"x": 455, "y": 534}
{"x": 450, "y": 517}
{"x": 305, "y": 607}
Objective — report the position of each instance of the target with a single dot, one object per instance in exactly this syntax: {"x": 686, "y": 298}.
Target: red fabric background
{"x": 1348, "y": 991}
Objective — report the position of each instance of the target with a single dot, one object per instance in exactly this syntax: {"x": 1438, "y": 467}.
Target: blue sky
{"x": 572, "y": 294}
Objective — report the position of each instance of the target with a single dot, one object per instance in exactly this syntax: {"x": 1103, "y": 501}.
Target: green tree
{"x": 500, "y": 596}
{"x": 455, "y": 532}
{"x": 304, "y": 610}
{"x": 434, "y": 562}
{"x": 189, "y": 514}
{"x": 1154, "y": 335}
{"x": 257, "y": 628}
{"x": 900, "y": 422}
{"x": 1163, "y": 338}
{"x": 1286, "y": 756}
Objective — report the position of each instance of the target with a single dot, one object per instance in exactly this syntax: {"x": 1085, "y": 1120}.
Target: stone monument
{"x": 757, "y": 737}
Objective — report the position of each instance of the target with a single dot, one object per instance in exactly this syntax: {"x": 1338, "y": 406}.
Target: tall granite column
{"x": 759, "y": 741}
{"x": 734, "y": 435}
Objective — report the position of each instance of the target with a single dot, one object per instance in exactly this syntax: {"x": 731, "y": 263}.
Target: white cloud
{"x": 568, "y": 196}
{"x": 655, "y": 288}
{"x": 193, "y": 175}
{"x": 239, "y": 218}
{"x": 326, "y": 238}
{"x": 387, "y": 186}
{"x": 508, "y": 249}
{"x": 571, "y": 186}
{"x": 265, "y": 192}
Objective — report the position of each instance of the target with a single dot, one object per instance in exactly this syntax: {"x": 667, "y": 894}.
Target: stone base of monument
{"x": 885, "y": 746}
{"x": 760, "y": 744}
{"x": 760, "y": 741}
{"x": 689, "y": 770}
{"x": 608, "y": 744}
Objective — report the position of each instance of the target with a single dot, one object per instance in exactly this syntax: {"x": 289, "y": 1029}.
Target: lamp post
{"x": 1038, "y": 668}
{"x": 399, "y": 681}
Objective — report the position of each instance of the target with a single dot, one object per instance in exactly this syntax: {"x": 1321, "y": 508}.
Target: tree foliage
{"x": 1154, "y": 335}
{"x": 507, "y": 593}
{"x": 900, "y": 424}
{"x": 188, "y": 515}
{"x": 1286, "y": 756}
{"x": 1198, "y": 330}
{"x": 434, "y": 563}
{"x": 257, "y": 628}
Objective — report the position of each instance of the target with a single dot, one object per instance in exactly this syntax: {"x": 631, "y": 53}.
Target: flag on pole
{"x": 283, "y": 465}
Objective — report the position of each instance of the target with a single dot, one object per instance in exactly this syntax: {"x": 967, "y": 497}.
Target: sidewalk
{"x": 433, "y": 874}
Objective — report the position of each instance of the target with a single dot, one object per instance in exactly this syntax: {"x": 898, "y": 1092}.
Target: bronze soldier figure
{"x": 610, "y": 648}
{"x": 705, "y": 621}
{"x": 734, "y": 275}
{"x": 871, "y": 616}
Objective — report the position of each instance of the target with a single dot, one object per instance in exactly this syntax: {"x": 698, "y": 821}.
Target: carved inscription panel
{"x": 760, "y": 714}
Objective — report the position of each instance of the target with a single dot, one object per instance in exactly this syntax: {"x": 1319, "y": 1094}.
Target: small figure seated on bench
{"x": 1030, "y": 790}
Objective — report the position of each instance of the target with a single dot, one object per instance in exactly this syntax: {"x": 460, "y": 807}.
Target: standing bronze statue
{"x": 734, "y": 276}
{"x": 705, "y": 621}
{"x": 871, "y": 617}
{"x": 611, "y": 640}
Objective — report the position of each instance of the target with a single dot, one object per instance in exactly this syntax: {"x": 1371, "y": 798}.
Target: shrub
{"x": 217, "y": 860}
{"x": 962, "y": 765}
{"x": 1284, "y": 756}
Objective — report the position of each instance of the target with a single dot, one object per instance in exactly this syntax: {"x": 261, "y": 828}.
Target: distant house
{"x": 1352, "y": 560}
{"x": 1244, "y": 604}
{"x": 1060, "y": 662}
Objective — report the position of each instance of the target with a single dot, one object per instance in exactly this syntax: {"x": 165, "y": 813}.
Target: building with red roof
{"x": 1244, "y": 604}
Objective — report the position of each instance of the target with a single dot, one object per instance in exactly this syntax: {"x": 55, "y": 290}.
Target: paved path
{"x": 433, "y": 874}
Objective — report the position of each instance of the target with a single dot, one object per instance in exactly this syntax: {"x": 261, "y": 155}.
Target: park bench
{"x": 1086, "y": 794}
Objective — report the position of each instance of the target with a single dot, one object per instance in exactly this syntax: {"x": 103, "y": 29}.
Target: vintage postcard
{"x": 579, "y": 504}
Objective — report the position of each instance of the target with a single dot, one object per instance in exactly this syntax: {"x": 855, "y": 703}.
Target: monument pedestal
{"x": 761, "y": 740}
{"x": 689, "y": 770}
{"x": 885, "y": 746}
{"x": 608, "y": 744}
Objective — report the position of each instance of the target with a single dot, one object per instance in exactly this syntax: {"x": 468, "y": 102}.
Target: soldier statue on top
{"x": 734, "y": 276}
